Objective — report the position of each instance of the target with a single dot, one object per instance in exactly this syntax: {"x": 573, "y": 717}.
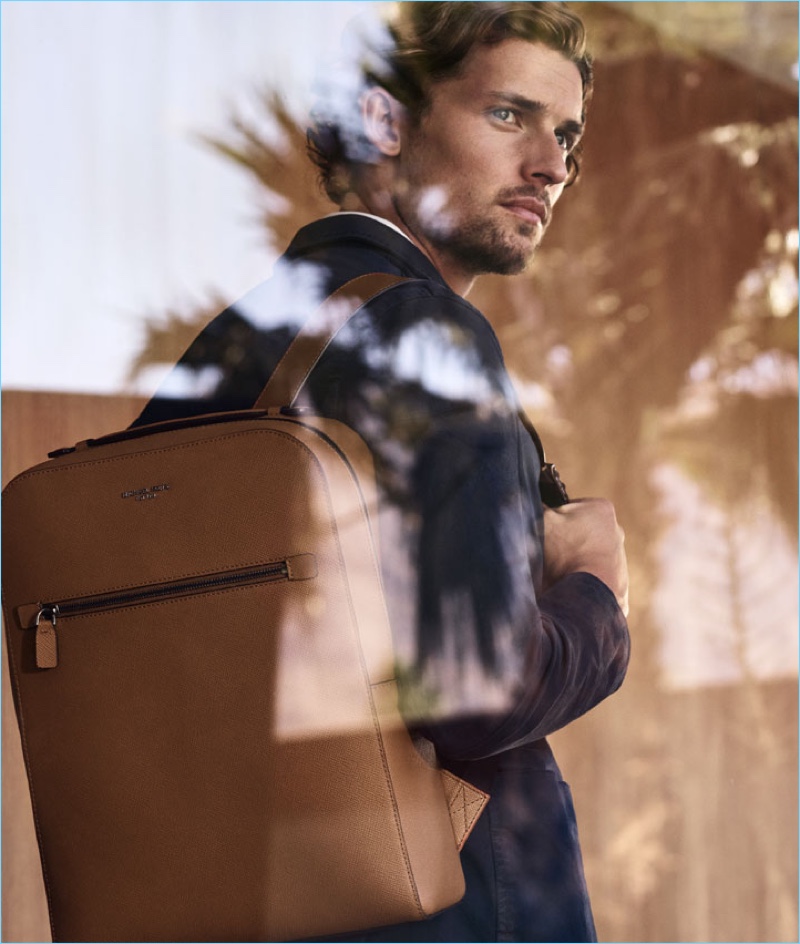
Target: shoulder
{"x": 420, "y": 335}
{"x": 432, "y": 310}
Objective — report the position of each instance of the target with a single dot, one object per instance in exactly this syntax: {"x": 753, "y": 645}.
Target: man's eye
{"x": 565, "y": 140}
{"x": 506, "y": 115}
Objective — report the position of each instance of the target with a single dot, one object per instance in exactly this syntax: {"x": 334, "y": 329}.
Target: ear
{"x": 383, "y": 117}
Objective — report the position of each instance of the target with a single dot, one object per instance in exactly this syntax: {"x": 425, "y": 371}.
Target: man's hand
{"x": 583, "y": 536}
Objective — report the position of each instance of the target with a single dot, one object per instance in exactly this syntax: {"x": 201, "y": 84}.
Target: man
{"x": 447, "y": 153}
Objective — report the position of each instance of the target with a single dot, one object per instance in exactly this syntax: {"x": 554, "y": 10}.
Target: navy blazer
{"x": 491, "y": 662}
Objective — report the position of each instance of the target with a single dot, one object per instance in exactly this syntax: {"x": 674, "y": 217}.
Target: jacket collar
{"x": 339, "y": 230}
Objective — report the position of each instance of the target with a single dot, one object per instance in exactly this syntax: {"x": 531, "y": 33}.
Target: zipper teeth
{"x": 155, "y": 593}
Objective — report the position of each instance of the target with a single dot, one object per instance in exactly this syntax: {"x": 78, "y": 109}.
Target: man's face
{"x": 480, "y": 173}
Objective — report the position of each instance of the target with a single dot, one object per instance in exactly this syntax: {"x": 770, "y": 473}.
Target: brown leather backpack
{"x": 204, "y": 679}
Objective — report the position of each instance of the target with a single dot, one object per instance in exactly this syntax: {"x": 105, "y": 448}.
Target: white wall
{"x": 110, "y": 210}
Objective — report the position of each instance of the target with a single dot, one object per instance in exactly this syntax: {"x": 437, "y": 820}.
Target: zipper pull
{"x": 46, "y": 641}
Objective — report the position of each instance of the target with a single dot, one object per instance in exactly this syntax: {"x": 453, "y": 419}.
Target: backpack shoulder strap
{"x": 313, "y": 338}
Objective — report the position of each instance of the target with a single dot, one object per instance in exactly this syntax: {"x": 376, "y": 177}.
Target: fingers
{"x": 585, "y": 536}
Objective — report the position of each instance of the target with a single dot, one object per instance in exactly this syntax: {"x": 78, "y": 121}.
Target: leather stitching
{"x": 466, "y": 803}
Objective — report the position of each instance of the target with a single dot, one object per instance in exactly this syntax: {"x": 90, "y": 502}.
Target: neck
{"x": 459, "y": 281}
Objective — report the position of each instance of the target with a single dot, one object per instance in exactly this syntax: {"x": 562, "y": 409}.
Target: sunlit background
{"x": 152, "y": 170}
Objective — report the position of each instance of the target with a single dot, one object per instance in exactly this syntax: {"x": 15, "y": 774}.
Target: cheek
{"x": 465, "y": 153}
{"x": 457, "y": 163}
{"x": 431, "y": 165}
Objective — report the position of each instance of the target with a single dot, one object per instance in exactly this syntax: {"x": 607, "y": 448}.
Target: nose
{"x": 545, "y": 160}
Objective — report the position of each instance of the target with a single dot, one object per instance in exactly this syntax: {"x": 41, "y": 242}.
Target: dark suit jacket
{"x": 491, "y": 662}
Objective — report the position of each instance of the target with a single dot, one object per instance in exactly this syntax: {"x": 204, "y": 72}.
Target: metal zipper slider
{"x": 46, "y": 641}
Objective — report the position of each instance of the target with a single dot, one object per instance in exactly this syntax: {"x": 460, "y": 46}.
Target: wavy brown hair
{"x": 422, "y": 44}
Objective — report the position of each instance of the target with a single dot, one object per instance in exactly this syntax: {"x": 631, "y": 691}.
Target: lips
{"x": 528, "y": 209}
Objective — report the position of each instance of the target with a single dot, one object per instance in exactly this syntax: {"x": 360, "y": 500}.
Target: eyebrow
{"x": 532, "y": 107}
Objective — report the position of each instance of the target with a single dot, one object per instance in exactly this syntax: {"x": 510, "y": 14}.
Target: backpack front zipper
{"x": 298, "y": 567}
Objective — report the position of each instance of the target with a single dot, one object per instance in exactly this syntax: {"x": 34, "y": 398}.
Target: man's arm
{"x": 499, "y": 643}
{"x": 521, "y": 624}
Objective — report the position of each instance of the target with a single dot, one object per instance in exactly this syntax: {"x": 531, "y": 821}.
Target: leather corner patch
{"x": 465, "y": 802}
